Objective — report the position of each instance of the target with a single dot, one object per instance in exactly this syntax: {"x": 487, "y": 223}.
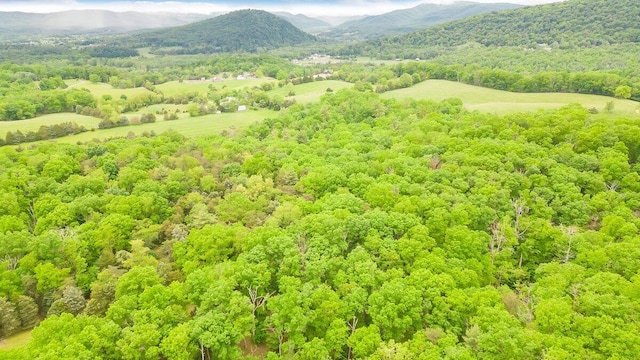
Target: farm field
{"x": 172, "y": 88}
{"x": 100, "y": 89}
{"x": 189, "y": 126}
{"x": 504, "y": 102}
{"x": 160, "y": 108}
{"x": 50, "y": 119}
{"x": 473, "y": 97}
{"x": 310, "y": 92}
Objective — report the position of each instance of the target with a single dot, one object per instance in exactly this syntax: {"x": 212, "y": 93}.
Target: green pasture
{"x": 188, "y": 126}
{"x": 145, "y": 52}
{"x": 504, "y": 102}
{"x": 16, "y": 341}
{"x": 51, "y": 119}
{"x": 310, "y": 92}
{"x": 100, "y": 89}
{"x": 154, "y": 109}
{"x": 172, "y": 88}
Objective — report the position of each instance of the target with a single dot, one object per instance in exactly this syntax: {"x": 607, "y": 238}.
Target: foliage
{"x": 350, "y": 228}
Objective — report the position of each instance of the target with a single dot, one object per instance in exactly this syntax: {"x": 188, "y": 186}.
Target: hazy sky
{"x": 309, "y": 7}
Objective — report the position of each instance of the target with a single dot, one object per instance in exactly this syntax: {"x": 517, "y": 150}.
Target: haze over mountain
{"x": 242, "y": 30}
{"x": 304, "y": 23}
{"x": 415, "y": 18}
{"x": 313, "y": 8}
{"x": 82, "y": 21}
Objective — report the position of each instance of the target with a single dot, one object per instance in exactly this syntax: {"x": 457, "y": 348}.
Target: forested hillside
{"x": 581, "y": 23}
{"x": 352, "y": 228}
{"x": 408, "y": 20}
{"x": 242, "y": 30}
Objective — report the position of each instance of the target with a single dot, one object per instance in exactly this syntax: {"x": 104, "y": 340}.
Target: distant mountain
{"x": 14, "y": 24}
{"x": 337, "y": 20}
{"x": 304, "y": 23}
{"x": 242, "y": 30}
{"x": 408, "y": 20}
{"x": 582, "y": 23}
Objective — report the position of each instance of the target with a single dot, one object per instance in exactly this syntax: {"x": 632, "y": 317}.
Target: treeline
{"x": 45, "y": 132}
{"x": 407, "y": 73}
{"x": 110, "y": 51}
{"x": 24, "y": 102}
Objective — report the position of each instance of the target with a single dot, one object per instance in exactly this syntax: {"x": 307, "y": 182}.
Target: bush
{"x": 147, "y": 118}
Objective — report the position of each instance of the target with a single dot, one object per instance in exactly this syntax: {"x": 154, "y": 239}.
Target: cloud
{"x": 308, "y": 7}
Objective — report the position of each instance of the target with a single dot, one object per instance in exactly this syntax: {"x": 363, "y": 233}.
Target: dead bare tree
{"x": 570, "y": 231}
{"x": 353, "y": 324}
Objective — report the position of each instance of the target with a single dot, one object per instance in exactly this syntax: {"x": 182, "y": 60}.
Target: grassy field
{"x": 160, "y": 107}
{"x": 16, "y": 341}
{"x": 172, "y": 88}
{"x": 310, "y": 92}
{"x": 188, "y": 126}
{"x": 100, "y": 89}
{"x": 503, "y": 102}
{"x": 51, "y": 119}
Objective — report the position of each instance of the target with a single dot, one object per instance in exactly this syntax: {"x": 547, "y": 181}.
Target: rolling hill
{"x": 242, "y": 30}
{"x": 581, "y": 23}
{"x": 13, "y": 24}
{"x": 408, "y": 20}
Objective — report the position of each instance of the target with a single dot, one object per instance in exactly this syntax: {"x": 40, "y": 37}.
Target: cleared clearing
{"x": 50, "y": 119}
{"x": 310, "y": 92}
{"x": 172, "y": 88}
{"x": 504, "y": 102}
{"x": 100, "y": 89}
{"x": 16, "y": 341}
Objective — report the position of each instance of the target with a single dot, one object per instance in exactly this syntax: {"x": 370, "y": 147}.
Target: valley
{"x": 456, "y": 181}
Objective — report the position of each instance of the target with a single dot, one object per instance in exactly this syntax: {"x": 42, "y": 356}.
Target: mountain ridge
{"x": 416, "y": 18}
{"x": 573, "y": 22}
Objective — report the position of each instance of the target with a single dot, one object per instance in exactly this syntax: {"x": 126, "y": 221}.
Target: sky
{"x": 307, "y": 7}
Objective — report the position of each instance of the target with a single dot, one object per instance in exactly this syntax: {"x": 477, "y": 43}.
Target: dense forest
{"x": 351, "y": 228}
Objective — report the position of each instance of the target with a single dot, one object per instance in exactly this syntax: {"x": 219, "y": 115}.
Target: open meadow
{"x": 47, "y": 120}
{"x": 100, "y": 89}
{"x": 187, "y": 126}
{"x": 16, "y": 341}
{"x": 172, "y": 88}
{"x": 505, "y": 102}
{"x": 473, "y": 97}
{"x": 310, "y": 92}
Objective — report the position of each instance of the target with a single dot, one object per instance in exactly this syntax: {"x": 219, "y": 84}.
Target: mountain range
{"x": 16, "y": 24}
{"x": 408, "y": 20}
